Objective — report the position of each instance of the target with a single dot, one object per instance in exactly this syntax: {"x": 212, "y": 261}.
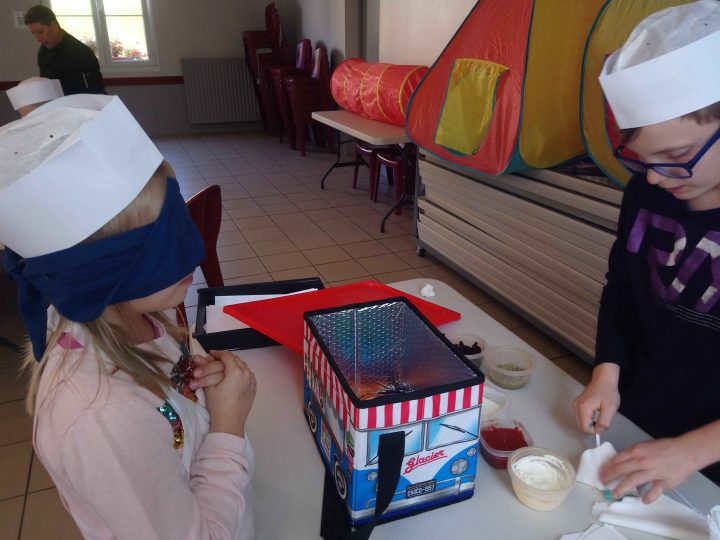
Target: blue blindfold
{"x": 81, "y": 281}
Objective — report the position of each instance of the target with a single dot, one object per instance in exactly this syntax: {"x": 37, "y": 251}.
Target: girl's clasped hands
{"x": 229, "y": 386}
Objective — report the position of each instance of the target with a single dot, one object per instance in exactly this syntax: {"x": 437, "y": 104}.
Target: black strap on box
{"x": 335, "y": 522}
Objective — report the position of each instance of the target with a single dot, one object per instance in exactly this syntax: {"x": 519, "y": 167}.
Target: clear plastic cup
{"x": 499, "y": 438}
{"x": 541, "y": 491}
{"x": 495, "y": 404}
{"x": 509, "y": 367}
{"x": 468, "y": 341}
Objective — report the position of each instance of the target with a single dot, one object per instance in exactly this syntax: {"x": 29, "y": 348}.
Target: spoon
{"x": 593, "y": 425}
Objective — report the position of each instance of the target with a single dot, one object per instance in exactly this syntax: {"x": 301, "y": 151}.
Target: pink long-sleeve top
{"x": 112, "y": 455}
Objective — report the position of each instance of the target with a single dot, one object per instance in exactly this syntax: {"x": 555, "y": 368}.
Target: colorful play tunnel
{"x": 377, "y": 91}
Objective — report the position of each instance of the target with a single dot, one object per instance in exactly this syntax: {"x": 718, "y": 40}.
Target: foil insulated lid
{"x": 387, "y": 349}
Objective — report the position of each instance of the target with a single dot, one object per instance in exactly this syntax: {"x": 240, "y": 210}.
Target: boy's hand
{"x": 229, "y": 401}
{"x": 663, "y": 464}
{"x": 208, "y": 372}
{"x": 600, "y": 395}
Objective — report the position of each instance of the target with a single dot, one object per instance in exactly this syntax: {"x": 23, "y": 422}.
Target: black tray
{"x": 247, "y": 338}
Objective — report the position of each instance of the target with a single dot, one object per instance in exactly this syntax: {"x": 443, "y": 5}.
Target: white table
{"x": 369, "y": 131}
{"x": 288, "y": 482}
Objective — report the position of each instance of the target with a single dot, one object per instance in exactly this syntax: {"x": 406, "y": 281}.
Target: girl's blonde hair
{"x": 109, "y": 340}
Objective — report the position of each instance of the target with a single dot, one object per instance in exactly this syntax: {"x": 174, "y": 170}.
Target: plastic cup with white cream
{"x": 540, "y": 478}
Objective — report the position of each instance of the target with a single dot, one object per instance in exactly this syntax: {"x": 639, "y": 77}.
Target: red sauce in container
{"x": 499, "y": 441}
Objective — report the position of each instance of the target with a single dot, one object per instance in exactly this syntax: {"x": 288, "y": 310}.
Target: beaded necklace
{"x": 180, "y": 376}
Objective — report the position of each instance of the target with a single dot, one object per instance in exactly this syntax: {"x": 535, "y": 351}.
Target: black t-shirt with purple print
{"x": 660, "y": 313}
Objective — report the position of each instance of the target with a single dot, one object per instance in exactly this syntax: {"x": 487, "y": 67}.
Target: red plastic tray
{"x": 282, "y": 318}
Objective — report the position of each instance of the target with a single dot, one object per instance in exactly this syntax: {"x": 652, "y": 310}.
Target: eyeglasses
{"x": 671, "y": 170}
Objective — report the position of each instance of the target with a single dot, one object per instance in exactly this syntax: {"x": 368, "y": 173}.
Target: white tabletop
{"x": 370, "y": 131}
{"x": 289, "y": 475}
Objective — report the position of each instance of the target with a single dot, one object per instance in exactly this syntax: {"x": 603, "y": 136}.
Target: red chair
{"x": 268, "y": 103}
{"x": 401, "y": 165}
{"x": 253, "y": 41}
{"x": 256, "y": 43}
{"x": 205, "y": 209}
{"x": 310, "y": 94}
{"x": 278, "y": 41}
{"x": 303, "y": 58}
{"x": 369, "y": 154}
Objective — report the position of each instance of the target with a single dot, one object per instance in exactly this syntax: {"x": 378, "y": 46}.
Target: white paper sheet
{"x": 714, "y": 523}
{"x": 596, "y": 532}
{"x": 218, "y": 321}
{"x": 664, "y": 517}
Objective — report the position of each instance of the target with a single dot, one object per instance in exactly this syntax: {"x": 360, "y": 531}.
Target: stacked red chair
{"x": 258, "y": 60}
{"x": 308, "y": 94}
{"x": 302, "y": 67}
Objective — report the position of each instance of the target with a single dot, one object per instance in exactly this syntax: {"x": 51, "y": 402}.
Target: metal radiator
{"x": 219, "y": 90}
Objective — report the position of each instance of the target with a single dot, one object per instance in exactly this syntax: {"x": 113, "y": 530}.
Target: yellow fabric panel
{"x": 550, "y": 130}
{"x": 468, "y": 107}
{"x": 611, "y": 30}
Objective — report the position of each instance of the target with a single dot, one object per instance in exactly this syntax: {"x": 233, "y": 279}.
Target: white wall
{"x": 192, "y": 28}
{"x": 18, "y": 60}
{"x": 370, "y": 30}
{"x": 333, "y": 23}
{"x": 416, "y": 31}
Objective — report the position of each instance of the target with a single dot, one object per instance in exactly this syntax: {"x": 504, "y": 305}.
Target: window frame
{"x": 102, "y": 39}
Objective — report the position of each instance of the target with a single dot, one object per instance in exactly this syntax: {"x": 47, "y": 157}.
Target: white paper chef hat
{"x": 68, "y": 169}
{"x": 34, "y": 90}
{"x": 668, "y": 67}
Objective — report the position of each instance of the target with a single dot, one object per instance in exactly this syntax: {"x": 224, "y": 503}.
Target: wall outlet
{"x": 19, "y": 19}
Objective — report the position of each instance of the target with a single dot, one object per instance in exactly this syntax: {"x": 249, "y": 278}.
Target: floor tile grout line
{"x": 25, "y": 496}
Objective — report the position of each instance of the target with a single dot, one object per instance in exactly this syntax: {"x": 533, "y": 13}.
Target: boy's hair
{"x": 701, "y": 116}
{"x": 40, "y": 14}
{"x": 109, "y": 341}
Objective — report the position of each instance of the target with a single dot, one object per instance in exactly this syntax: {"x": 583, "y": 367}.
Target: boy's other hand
{"x": 600, "y": 395}
{"x": 663, "y": 464}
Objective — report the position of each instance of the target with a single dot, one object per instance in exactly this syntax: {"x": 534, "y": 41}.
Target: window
{"x": 453, "y": 428}
{"x": 119, "y": 31}
{"x": 413, "y": 440}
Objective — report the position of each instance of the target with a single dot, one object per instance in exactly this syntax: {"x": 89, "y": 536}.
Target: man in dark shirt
{"x": 61, "y": 56}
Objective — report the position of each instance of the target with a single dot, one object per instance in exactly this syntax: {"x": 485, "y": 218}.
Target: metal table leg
{"x": 338, "y": 163}
{"x": 405, "y": 197}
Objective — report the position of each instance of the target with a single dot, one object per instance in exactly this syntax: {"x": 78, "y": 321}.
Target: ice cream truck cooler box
{"x": 381, "y": 368}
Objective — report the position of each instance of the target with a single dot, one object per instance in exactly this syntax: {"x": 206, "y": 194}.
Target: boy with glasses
{"x": 658, "y": 340}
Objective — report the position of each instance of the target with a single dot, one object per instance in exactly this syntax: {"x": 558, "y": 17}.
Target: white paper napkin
{"x": 664, "y": 517}
{"x": 714, "y": 523}
{"x": 596, "y": 532}
{"x": 591, "y": 461}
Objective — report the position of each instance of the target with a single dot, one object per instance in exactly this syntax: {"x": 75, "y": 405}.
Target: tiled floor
{"x": 277, "y": 224}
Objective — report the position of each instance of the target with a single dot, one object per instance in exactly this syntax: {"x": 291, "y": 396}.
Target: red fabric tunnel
{"x": 377, "y": 91}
